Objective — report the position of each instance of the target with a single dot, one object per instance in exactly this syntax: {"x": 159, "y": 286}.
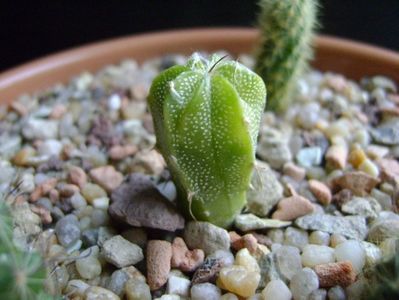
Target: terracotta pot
{"x": 352, "y": 59}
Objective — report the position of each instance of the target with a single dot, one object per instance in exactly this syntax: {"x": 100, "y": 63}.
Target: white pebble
{"x": 205, "y": 291}
{"x": 303, "y": 283}
{"x": 351, "y": 251}
{"x": 314, "y": 255}
{"x": 50, "y": 147}
{"x": 114, "y": 102}
{"x": 224, "y": 256}
{"x": 178, "y": 286}
{"x": 276, "y": 290}
{"x": 27, "y": 183}
{"x": 101, "y": 203}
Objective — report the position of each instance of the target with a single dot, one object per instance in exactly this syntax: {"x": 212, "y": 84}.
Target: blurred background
{"x": 30, "y": 29}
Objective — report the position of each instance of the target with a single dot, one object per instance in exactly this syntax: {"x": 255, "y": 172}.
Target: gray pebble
{"x": 120, "y": 252}
{"x": 67, "y": 230}
{"x": 296, "y": 237}
{"x": 206, "y": 236}
{"x": 303, "y": 284}
{"x": 265, "y": 190}
{"x": 336, "y": 293}
{"x": 354, "y": 227}
{"x": 90, "y": 237}
{"x": 117, "y": 282}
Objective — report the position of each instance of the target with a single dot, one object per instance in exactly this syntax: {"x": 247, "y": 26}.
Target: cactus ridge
{"x": 287, "y": 29}
{"x": 206, "y": 118}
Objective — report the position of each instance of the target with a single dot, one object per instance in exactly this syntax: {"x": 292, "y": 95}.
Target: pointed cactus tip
{"x": 206, "y": 118}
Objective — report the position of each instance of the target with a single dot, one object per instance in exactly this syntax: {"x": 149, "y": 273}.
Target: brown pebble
{"x": 389, "y": 169}
{"x": 184, "y": 259}
{"x": 58, "y": 111}
{"x": 336, "y": 156}
{"x": 119, "y": 152}
{"x": 107, "y": 177}
{"x": 43, "y": 213}
{"x": 394, "y": 98}
{"x": 67, "y": 190}
{"x": 342, "y": 197}
{"x": 389, "y": 111}
{"x": 19, "y": 108}
{"x": 293, "y": 207}
{"x": 159, "y": 255}
{"x": 54, "y": 195}
{"x": 336, "y": 82}
{"x": 321, "y": 191}
{"x": 234, "y": 236}
{"x": 332, "y": 274}
{"x": 77, "y": 176}
{"x": 43, "y": 189}
{"x": 262, "y": 239}
{"x": 360, "y": 183}
{"x": 294, "y": 171}
{"x": 246, "y": 241}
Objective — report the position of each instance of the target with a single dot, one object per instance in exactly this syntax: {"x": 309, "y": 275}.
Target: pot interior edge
{"x": 352, "y": 59}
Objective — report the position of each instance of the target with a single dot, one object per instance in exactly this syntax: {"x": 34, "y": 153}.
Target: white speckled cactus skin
{"x": 206, "y": 118}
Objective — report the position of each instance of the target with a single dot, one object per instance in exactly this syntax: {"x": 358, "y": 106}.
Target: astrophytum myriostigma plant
{"x": 206, "y": 118}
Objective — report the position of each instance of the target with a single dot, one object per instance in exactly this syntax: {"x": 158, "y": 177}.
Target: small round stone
{"x": 319, "y": 294}
{"x": 336, "y": 239}
{"x": 225, "y": 257}
{"x": 99, "y": 218}
{"x": 245, "y": 259}
{"x": 178, "y": 286}
{"x": 229, "y": 296}
{"x": 336, "y": 293}
{"x": 313, "y": 255}
{"x": 319, "y": 238}
{"x": 296, "y": 237}
{"x": 239, "y": 280}
{"x": 93, "y": 191}
{"x": 117, "y": 282}
{"x": 205, "y": 291}
{"x": 303, "y": 283}
{"x": 88, "y": 267}
{"x": 276, "y": 290}
{"x": 76, "y": 288}
{"x": 352, "y": 251}
{"x": 137, "y": 290}
{"x": 96, "y": 293}
{"x": 67, "y": 230}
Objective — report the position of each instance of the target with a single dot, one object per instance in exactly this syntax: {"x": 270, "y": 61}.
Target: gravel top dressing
{"x": 92, "y": 195}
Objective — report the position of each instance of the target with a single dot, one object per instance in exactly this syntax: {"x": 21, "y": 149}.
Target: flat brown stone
{"x": 293, "y": 207}
{"x": 106, "y": 177}
{"x": 137, "y": 202}
{"x": 360, "y": 183}
{"x": 321, "y": 191}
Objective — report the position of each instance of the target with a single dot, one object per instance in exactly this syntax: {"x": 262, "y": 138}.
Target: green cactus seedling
{"x": 286, "y": 32}
{"x": 206, "y": 118}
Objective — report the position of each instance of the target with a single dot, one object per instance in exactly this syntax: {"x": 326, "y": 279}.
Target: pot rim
{"x": 13, "y": 79}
